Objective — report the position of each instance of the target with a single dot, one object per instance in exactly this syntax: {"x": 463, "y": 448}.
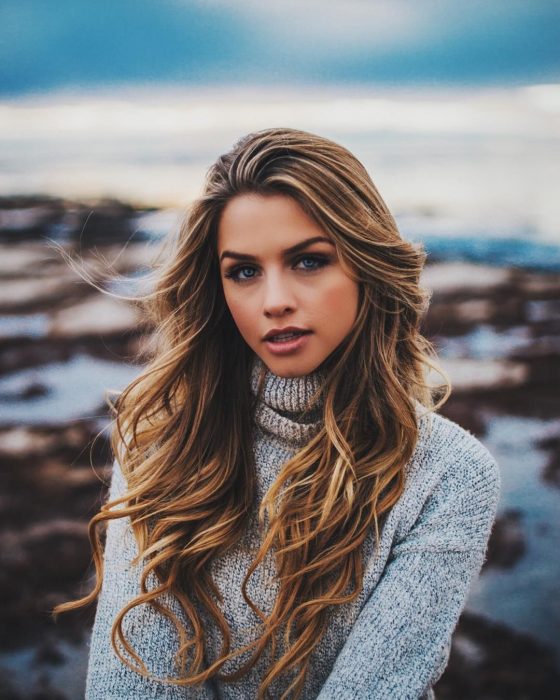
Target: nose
{"x": 278, "y": 295}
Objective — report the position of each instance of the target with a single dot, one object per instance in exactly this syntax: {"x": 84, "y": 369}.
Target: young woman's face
{"x": 268, "y": 286}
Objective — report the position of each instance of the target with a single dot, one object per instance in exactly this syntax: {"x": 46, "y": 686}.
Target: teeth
{"x": 286, "y": 336}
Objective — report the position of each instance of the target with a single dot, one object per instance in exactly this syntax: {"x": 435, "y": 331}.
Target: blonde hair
{"x": 190, "y": 496}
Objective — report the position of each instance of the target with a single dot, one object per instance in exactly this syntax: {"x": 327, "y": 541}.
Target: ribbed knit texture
{"x": 393, "y": 641}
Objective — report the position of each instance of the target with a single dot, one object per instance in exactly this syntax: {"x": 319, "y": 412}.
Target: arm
{"x": 152, "y": 636}
{"x": 399, "y": 644}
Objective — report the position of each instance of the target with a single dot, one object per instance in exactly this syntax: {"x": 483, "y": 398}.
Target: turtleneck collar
{"x": 282, "y": 401}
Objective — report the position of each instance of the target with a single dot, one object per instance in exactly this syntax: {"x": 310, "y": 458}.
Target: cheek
{"x": 241, "y": 312}
{"x": 340, "y": 302}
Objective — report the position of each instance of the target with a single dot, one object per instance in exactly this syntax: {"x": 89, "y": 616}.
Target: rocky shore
{"x": 62, "y": 342}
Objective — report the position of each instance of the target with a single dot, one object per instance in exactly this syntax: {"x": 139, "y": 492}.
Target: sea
{"x": 473, "y": 172}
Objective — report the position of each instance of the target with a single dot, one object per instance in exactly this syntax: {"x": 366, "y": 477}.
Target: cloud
{"x": 289, "y": 41}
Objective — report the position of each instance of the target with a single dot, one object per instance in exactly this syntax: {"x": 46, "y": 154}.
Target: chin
{"x": 290, "y": 368}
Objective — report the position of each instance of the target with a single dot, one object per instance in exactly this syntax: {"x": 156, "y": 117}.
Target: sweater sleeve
{"x": 399, "y": 644}
{"x": 152, "y": 635}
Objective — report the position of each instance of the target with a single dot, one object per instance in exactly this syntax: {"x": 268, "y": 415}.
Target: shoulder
{"x": 450, "y": 455}
{"x": 452, "y": 489}
{"x": 438, "y": 435}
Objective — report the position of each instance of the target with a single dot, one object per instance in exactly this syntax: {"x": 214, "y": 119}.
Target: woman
{"x": 289, "y": 517}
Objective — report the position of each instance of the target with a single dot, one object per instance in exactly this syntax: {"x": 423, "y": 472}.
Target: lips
{"x": 289, "y": 331}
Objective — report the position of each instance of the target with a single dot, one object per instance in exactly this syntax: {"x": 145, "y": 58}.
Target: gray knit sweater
{"x": 393, "y": 641}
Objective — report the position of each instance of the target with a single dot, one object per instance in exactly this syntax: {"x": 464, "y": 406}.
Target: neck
{"x": 289, "y": 408}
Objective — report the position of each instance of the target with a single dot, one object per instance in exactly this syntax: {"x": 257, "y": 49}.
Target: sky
{"x": 70, "y": 44}
{"x": 446, "y": 102}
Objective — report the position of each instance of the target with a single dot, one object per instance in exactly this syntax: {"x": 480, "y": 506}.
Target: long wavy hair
{"x": 190, "y": 495}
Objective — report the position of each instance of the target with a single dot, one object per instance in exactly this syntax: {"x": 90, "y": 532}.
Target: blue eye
{"x": 314, "y": 261}
{"x": 251, "y": 269}
{"x": 233, "y": 274}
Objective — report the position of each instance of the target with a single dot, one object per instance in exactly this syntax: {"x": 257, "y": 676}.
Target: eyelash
{"x": 321, "y": 261}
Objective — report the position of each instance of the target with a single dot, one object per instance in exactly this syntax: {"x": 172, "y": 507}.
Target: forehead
{"x": 250, "y": 220}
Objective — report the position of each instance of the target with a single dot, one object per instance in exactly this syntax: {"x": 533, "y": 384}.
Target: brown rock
{"x": 551, "y": 443}
{"x": 507, "y": 542}
{"x": 490, "y": 661}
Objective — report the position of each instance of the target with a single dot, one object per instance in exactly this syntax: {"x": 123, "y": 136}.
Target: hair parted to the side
{"x": 183, "y": 428}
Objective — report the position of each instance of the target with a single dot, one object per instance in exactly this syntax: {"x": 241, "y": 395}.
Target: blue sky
{"x": 73, "y": 43}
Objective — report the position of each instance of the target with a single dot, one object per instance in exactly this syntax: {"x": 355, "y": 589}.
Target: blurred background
{"x": 110, "y": 114}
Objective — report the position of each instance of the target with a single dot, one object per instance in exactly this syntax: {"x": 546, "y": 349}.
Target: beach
{"x": 63, "y": 343}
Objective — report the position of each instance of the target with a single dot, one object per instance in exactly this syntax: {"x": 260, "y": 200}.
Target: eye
{"x": 233, "y": 274}
{"x": 317, "y": 261}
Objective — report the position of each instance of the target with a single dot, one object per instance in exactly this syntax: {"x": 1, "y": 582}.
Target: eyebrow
{"x": 285, "y": 253}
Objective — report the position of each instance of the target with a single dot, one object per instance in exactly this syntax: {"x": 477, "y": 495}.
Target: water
{"x": 527, "y": 251}
{"x": 485, "y": 342}
{"x": 68, "y": 390}
{"x": 24, "y": 326}
{"x": 471, "y": 171}
{"x": 527, "y": 596}
{"x": 24, "y": 672}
